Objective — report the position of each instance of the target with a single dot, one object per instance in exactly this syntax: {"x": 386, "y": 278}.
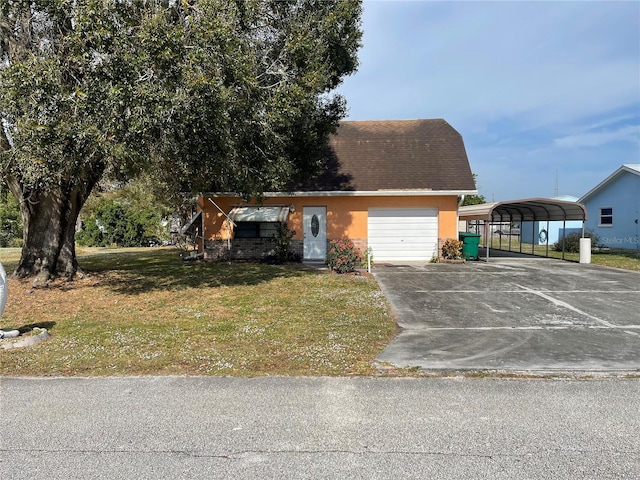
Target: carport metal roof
{"x": 528, "y": 210}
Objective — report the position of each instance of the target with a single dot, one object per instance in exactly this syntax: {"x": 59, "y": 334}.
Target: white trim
{"x": 347, "y": 193}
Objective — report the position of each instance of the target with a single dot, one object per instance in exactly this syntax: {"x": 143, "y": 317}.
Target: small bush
{"x": 343, "y": 256}
{"x": 363, "y": 258}
{"x": 572, "y": 242}
{"x": 121, "y": 225}
{"x": 452, "y": 249}
{"x": 435, "y": 258}
{"x": 281, "y": 241}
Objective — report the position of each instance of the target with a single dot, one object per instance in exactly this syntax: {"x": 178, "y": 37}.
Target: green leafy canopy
{"x": 211, "y": 94}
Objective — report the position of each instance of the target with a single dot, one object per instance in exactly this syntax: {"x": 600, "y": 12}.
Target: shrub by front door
{"x": 315, "y": 233}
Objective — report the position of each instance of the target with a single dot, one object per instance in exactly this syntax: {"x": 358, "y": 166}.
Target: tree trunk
{"x": 49, "y": 219}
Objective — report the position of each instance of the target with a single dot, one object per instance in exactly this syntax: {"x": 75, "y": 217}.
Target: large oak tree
{"x": 207, "y": 95}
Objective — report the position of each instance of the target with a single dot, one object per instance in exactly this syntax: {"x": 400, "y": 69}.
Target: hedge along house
{"x": 614, "y": 209}
{"x": 393, "y": 186}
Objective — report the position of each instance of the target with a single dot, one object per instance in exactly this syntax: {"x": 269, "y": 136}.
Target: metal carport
{"x": 527, "y": 210}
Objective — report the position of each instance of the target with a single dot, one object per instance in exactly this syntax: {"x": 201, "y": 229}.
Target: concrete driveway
{"x": 525, "y": 314}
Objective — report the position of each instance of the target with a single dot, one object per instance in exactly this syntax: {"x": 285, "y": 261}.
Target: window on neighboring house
{"x": 606, "y": 217}
{"x": 255, "y": 229}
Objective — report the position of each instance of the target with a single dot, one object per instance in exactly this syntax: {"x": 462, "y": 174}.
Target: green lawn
{"x": 146, "y": 312}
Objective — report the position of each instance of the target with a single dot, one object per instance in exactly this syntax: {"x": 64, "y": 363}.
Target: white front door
{"x": 314, "y": 230}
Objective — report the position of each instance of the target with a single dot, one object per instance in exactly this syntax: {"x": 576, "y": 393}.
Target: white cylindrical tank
{"x": 585, "y": 250}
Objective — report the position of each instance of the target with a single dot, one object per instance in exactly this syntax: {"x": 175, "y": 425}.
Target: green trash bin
{"x": 470, "y": 243}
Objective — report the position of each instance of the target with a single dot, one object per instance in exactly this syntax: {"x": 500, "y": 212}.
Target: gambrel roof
{"x": 395, "y": 156}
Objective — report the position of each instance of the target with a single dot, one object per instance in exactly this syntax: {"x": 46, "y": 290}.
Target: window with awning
{"x": 259, "y": 214}
{"x": 257, "y": 222}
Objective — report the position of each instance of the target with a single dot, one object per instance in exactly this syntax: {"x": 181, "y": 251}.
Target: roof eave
{"x": 357, "y": 193}
{"x": 606, "y": 181}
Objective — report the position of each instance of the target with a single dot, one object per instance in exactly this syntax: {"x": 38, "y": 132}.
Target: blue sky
{"x": 538, "y": 90}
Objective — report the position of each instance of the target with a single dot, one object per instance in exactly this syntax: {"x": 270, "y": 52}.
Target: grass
{"x": 145, "y": 312}
{"x": 625, "y": 259}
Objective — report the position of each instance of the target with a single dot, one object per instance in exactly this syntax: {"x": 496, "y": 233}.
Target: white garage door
{"x": 403, "y": 234}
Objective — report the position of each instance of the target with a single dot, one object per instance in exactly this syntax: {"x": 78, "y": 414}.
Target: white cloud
{"x": 629, "y": 133}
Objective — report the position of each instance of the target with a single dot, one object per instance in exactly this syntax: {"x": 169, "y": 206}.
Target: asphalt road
{"x": 319, "y": 428}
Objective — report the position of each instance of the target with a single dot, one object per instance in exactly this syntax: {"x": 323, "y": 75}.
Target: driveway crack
{"x": 238, "y": 455}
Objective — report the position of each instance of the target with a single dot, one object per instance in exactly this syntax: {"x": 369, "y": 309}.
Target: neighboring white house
{"x": 613, "y": 208}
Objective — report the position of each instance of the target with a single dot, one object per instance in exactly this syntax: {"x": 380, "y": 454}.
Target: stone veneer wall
{"x": 361, "y": 243}
{"x": 297, "y": 247}
{"x": 245, "y": 249}
{"x": 258, "y": 248}
{"x": 241, "y": 249}
{"x": 440, "y": 243}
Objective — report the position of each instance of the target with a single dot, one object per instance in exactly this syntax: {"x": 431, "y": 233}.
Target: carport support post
{"x": 487, "y": 244}
{"x": 520, "y": 235}
{"x": 510, "y": 222}
{"x": 533, "y": 235}
{"x": 564, "y": 235}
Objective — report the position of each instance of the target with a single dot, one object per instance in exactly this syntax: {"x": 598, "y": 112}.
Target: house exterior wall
{"x": 552, "y": 232}
{"x": 346, "y": 217}
{"x": 622, "y": 194}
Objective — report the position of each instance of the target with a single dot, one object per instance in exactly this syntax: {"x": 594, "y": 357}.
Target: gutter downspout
{"x": 460, "y": 202}
{"x": 222, "y": 211}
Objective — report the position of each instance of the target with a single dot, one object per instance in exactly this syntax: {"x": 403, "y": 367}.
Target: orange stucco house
{"x": 393, "y": 186}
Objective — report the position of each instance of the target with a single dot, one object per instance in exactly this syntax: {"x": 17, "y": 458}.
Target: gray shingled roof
{"x": 395, "y": 155}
